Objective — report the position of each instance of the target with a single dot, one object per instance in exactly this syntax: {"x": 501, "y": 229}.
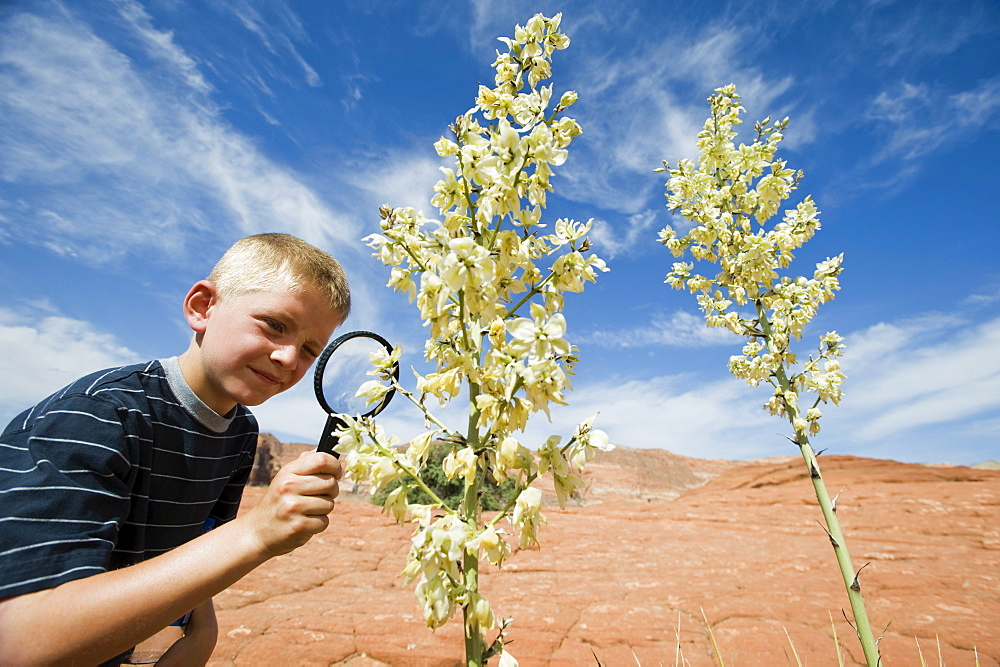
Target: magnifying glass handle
{"x": 329, "y": 440}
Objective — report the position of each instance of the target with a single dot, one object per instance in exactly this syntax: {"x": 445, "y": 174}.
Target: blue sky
{"x": 138, "y": 139}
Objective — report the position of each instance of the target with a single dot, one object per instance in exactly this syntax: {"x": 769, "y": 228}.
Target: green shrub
{"x": 493, "y": 496}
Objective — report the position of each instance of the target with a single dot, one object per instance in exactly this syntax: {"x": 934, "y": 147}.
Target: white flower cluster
{"x": 730, "y": 196}
{"x": 472, "y": 272}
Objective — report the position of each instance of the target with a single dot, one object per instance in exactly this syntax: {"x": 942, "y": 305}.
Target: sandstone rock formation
{"x": 656, "y": 547}
{"x": 271, "y": 455}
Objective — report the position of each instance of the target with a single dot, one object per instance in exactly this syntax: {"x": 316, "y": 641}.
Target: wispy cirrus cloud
{"x": 610, "y": 241}
{"x": 685, "y": 414}
{"x": 679, "y": 329}
{"x": 922, "y": 372}
{"x": 279, "y": 29}
{"x": 903, "y": 42}
{"x": 917, "y": 119}
{"x": 160, "y": 44}
{"x": 112, "y": 160}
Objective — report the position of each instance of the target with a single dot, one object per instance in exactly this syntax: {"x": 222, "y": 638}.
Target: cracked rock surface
{"x": 657, "y": 546}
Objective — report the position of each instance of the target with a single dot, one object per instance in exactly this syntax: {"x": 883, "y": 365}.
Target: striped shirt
{"x": 116, "y": 468}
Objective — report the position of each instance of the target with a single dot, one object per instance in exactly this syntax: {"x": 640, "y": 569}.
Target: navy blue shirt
{"x": 118, "y": 467}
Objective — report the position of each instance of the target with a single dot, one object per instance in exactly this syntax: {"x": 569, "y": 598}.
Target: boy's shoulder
{"x": 108, "y": 378}
{"x": 122, "y": 384}
{"x": 141, "y": 395}
{"x": 125, "y": 387}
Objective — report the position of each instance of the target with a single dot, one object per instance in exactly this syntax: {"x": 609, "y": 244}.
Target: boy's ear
{"x": 198, "y": 303}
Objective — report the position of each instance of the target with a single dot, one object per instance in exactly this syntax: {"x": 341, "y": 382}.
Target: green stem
{"x": 470, "y": 207}
{"x": 427, "y": 413}
{"x": 503, "y": 513}
{"x": 413, "y": 474}
{"x": 527, "y": 482}
{"x": 413, "y": 256}
{"x": 851, "y": 582}
{"x": 474, "y": 645}
{"x": 537, "y": 289}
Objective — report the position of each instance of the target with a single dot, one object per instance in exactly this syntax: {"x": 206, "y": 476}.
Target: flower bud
{"x": 568, "y": 99}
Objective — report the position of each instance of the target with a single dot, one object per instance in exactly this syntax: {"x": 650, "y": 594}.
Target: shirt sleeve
{"x": 64, "y": 486}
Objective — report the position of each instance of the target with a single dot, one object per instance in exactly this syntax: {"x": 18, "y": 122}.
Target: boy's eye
{"x": 275, "y": 325}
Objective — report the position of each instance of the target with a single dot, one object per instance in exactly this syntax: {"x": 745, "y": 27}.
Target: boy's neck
{"x": 194, "y": 374}
{"x": 190, "y": 401}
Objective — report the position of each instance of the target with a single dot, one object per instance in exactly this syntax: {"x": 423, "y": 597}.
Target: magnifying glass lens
{"x": 346, "y": 372}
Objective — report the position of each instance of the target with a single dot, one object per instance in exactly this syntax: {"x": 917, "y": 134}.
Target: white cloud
{"x": 281, "y": 26}
{"x": 919, "y": 118}
{"x": 902, "y": 377}
{"x": 117, "y": 161}
{"x": 988, "y": 292}
{"x": 404, "y": 178}
{"x": 924, "y": 389}
{"x": 976, "y": 106}
{"x": 681, "y": 329}
{"x": 609, "y": 242}
{"x": 160, "y": 44}
{"x": 683, "y": 414}
{"x": 295, "y": 414}
{"x": 904, "y": 39}
{"x": 648, "y": 105}
{"x": 43, "y": 352}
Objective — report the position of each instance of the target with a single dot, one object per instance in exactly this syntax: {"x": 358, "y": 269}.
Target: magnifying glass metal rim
{"x": 325, "y": 357}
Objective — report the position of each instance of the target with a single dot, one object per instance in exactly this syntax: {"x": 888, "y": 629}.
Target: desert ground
{"x": 660, "y": 549}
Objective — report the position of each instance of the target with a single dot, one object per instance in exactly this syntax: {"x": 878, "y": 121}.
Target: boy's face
{"x": 256, "y": 345}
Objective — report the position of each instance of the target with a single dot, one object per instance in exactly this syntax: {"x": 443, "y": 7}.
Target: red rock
{"x": 625, "y": 577}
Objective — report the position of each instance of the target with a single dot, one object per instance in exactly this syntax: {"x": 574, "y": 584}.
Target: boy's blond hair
{"x": 265, "y": 261}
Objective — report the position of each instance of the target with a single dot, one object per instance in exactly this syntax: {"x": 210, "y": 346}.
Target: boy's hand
{"x": 102, "y": 615}
{"x": 296, "y": 504}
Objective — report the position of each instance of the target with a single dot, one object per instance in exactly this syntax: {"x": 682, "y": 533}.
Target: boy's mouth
{"x": 266, "y": 377}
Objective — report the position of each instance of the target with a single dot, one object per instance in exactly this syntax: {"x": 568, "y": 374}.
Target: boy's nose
{"x": 285, "y": 356}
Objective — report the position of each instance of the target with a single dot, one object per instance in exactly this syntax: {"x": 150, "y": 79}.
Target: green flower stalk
{"x": 729, "y": 199}
{"x": 490, "y": 288}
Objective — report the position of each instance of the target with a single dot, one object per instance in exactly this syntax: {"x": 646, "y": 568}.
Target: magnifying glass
{"x": 339, "y": 376}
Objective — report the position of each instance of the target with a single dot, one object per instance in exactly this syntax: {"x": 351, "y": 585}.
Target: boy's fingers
{"x": 317, "y": 463}
{"x": 320, "y": 486}
{"x": 321, "y": 506}
{"x": 299, "y": 484}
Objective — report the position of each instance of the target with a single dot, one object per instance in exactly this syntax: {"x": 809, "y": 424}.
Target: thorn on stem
{"x": 856, "y": 585}
{"x": 830, "y": 535}
{"x": 878, "y": 641}
{"x": 833, "y": 505}
{"x": 814, "y": 471}
{"x": 884, "y": 630}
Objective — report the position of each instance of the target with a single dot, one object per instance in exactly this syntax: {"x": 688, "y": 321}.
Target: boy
{"x": 107, "y": 487}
